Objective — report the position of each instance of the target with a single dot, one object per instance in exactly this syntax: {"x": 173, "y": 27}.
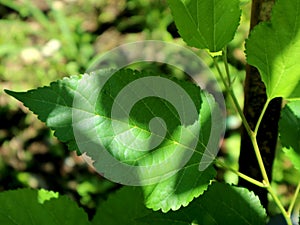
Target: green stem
{"x": 294, "y": 199}
{"x": 241, "y": 175}
{"x": 265, "y": 183}
{"x": 280, "y": 206}
{"x": 226, "y": 66}
{"x": 251, "y": 134}
{"x": 234, "y": 99}
{"x": 220, "y": 73}
{"x": 259, "y": 159}
{"x": 261, "y": 116}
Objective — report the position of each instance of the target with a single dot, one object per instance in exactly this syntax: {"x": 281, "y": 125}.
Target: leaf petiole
{"x": 241, "y": 175}
{"x": 234, "y": 99}
{"x": 226, "y": 66}
{"x": 292, "y": 204}
{"x": 252, "y": 134}
{"x": 280, "y": 206}
{"x": 261, "y": 116}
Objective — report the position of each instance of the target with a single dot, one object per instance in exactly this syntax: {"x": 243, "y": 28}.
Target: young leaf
{"x": 221, "y": 204}
{"x": 289, "y": 129}
{"x": 206, "y": 24}
{"x": 22, "y": 207}
{"x": 44, "y": 195}
{"x": 274, "y": 48}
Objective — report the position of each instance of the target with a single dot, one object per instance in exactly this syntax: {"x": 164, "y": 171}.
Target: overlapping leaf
{"x": 96, "y": 95}
{"x": 123, "y": 207}
{"x": 22, "y": 206}
{"x": 289, "y": 128}
{"x": 189, "y": 183}
{"x": 220, "y": 205}
{"x": 274, "y": 48}
{"x": 206, "y": 24}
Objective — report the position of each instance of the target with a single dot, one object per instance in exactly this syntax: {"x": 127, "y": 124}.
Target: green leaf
{"x": 274, "y": 48}
{"x": 180, "y": 189}
{"x": 221, "y": 204}
{"x": 53, "y": 105}
{"x": 110, "y": 115}
{"x": 206, "y": 24}
{"x": 122, "y": 207}
{"x": 22, "y": 207}
{"x": 289, "y": 129}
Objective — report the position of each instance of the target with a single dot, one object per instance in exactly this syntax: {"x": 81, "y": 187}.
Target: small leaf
{"x": 289, "y": 129}
{"x": 206, "y": 24}
{"x": 44, "y": 195}
{"x": 22, "y": 207}
{"x": 274, "y": 48}
{"x": 221, "y": 204}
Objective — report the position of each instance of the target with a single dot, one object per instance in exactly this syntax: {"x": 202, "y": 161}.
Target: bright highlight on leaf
{"x": 206, "y": 24}
{"x": 139, "y": 130}
{"x": 189, "y": 182}
{"x": 289, "y": 128}
{"x": 274, "y": 48}
{"x": 44, "y": 195}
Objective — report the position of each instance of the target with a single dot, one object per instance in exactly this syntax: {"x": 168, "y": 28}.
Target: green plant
{"x": 272, "y": 47}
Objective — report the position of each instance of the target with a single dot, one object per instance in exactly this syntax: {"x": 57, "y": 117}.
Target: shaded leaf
{"x": 22, "y": 207}
{"x": 221, "y": 204}
{"x": 122, "y": 207}
{"x": 289, "y": 129}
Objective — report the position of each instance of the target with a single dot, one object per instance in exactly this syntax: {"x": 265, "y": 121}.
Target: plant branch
{"x": 220, "y": 73}
{"x": 292, "y": 204}
{"x": 280, "y": 206}
{"x": 241, "y": 175}
{"x": 252, "y": 134}
{"x": 234, "y": 99}
{"x": 226, "y": 66}
{"x": 253, "y": 137}
{"x": 261, "y": 116}
{"x": 259, "y": 159}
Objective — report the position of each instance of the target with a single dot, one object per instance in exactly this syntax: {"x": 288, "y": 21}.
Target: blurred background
{"x": 44, "y": 40}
